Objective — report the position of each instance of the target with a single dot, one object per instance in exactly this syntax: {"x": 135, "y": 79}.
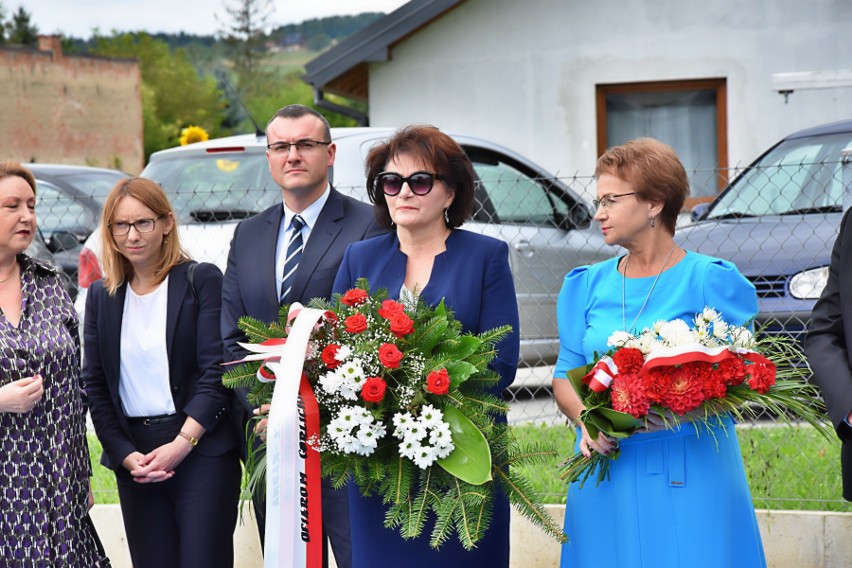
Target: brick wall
{"x": 70, "y": 109}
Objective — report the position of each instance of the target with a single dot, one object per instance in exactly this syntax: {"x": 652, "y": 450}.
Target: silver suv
{"x": 213, "y": 185}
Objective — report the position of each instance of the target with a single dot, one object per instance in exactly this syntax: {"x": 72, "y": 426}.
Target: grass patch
{"x": 788, "y": 467}
{"x": 103, "y": 480}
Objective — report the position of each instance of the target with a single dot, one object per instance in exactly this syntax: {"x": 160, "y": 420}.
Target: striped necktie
{"x": 295, "y": 244}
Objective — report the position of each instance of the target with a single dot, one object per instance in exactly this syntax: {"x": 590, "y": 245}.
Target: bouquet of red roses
{"x": 405, "y": 410}
{"x": 676, "y": 370}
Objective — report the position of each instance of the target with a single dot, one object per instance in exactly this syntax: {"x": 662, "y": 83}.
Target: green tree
{"x": 245, "y": 36}
{"x": 2, "y": 24}
{"x": 21, "y": 31}
{"x": 173, "y": 94}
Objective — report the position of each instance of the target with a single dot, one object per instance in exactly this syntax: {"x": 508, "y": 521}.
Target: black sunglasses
{"x": 420, "y": 182}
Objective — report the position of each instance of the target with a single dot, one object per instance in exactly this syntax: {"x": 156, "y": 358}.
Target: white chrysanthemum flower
{"x": 350, "y": 445}
{"x": 367, "y": 437}
{"x": 618, "y": 339}
{"x": 676, "y": 332}
{"x": 710, "y": 315}
{"x": 647, "y": 343}
{"x": 343, "y": 353}
{"x": 352, "y": 369}
{"x": 402, "y": 422}
{"x": 430, "y": 416}
{"x": 330, "y": 382}
{"x": 425, "y": 457}
{"x": 363, "y": 416}
{"x": 409, "y": 448}
{"x": 721, "y": 330}
{"x": 441, "y": 436}
{"x": 416, "y": 431}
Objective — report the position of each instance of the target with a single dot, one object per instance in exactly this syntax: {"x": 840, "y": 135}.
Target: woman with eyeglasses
{"x": 421, "y": 184}
{"x": 152, "y": 368}
{"x": 673, "y": 497}
{"x": 44, "y": 461}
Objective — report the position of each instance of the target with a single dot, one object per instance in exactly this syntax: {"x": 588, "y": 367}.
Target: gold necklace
{"x": 648, "y": 297}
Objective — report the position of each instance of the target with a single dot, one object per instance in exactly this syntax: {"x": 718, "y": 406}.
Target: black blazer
{"x": 249, "y": 287}
{"x": 828, "y": 345}
{"x": 194, "y": 348}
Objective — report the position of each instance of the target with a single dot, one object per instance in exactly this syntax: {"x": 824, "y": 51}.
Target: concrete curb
{"x": 791, "y": 539}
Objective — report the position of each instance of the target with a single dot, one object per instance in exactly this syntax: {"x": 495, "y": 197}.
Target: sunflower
{"x": 192, "y": 134}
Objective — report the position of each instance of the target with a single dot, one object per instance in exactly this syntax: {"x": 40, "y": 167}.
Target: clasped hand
{"x": 21, "y": 396}
{"x": 159, "y": 464}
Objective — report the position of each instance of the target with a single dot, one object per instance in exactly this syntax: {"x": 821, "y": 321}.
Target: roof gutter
{"x": 320, "y": 101}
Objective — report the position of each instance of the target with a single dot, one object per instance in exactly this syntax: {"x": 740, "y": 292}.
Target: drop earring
{"x": 653, "y": 221}
{"x": 447, "y": 216}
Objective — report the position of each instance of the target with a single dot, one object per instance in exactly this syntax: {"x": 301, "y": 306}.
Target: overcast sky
{"x": 79, "y": 18}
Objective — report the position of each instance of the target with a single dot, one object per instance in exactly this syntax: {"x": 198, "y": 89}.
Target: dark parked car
{"x": 68, "y": 207}
{"x": 778, "y": 221}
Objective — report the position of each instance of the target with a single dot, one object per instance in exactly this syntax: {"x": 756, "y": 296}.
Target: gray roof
{"x": 343, "y": 69}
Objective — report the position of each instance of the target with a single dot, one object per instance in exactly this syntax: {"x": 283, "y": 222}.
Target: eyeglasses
{"x": 420, "y": 182}
{"x": 608, "y": 201}
{"x": 301, "y": 146}
{"x": 122, "y": 228}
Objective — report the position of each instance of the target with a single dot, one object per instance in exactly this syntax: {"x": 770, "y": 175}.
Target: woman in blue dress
{"x": 674, "y": 497}
{"x": 421, "y": 183}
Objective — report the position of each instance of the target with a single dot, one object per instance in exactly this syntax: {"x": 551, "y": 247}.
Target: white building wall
{"x": 523, "y": 73}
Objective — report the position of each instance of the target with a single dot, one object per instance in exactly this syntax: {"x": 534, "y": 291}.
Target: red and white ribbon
{"x": 601, "y": 375}
{"x": 293, "y": 500}
{"x": 686, "y": 353}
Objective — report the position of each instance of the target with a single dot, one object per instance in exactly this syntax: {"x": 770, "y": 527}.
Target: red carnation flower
{"x": 354, "y": 297}
{"x": 390, "y": 355}
{"x": 389, "y": 308}
{"x": 685, "y": 390}
{"x": 713, "y": 383}
{"x": 328, "y": 356}
{"x": 373, "y": 389}
{"x": 762, "y": 376}
{"x": 438, "y": 382}
{"x": 628, "y": 395}
{"x": 733, "y": 370}
{"x": 355, "y": 324}
{"x": 628, "y": 360}
{"x": 401, "y": 325}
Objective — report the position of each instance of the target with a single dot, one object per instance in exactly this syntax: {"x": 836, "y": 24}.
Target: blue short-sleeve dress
{"x": 674, "y": 498}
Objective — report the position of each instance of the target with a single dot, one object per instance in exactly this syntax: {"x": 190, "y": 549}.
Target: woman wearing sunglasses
{"x": 421, "y": 184}
{"x": 152, "y": 368}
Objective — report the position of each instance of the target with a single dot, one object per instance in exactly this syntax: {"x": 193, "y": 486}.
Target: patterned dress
{"x": 44, "y": 461}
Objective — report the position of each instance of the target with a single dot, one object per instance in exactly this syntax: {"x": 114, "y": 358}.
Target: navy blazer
{"x": 194, "y": 348}
{"x": 828, "y": 345}
{"x": 249, "y": 287}
{"x": 472, "y": 276}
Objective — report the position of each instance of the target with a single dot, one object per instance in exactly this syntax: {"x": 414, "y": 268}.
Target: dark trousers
{"x": 187, "y": 521}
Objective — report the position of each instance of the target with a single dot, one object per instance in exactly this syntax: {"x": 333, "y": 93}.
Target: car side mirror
{"x": 578, "y": 217}
{"x": 699, "y": 211}
{"x": 62, "y": 240}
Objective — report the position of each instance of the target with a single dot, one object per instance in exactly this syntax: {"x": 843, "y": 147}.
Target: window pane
{"x": 516, "y": 197}
{"x": 686, "y": 120}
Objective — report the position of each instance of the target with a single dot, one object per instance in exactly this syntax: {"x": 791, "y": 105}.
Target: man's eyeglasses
{"x": 121, "y": 228}
{"x": 607, "y": 201}
{"x": 420, "y": 182}
{"x": 301, "y": 146}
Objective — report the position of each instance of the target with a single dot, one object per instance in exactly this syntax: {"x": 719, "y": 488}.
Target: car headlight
{"x": 808, "y": 285}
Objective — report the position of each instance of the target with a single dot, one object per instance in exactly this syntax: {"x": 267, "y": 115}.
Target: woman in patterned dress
{"x": 44, "y": 461}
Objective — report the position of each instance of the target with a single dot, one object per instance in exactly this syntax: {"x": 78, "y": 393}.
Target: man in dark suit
{"x": 829, "y": 346}
{"x": 313, "y": 227}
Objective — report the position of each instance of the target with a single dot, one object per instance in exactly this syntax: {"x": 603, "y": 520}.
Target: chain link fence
{"x": 776, "y": 223}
